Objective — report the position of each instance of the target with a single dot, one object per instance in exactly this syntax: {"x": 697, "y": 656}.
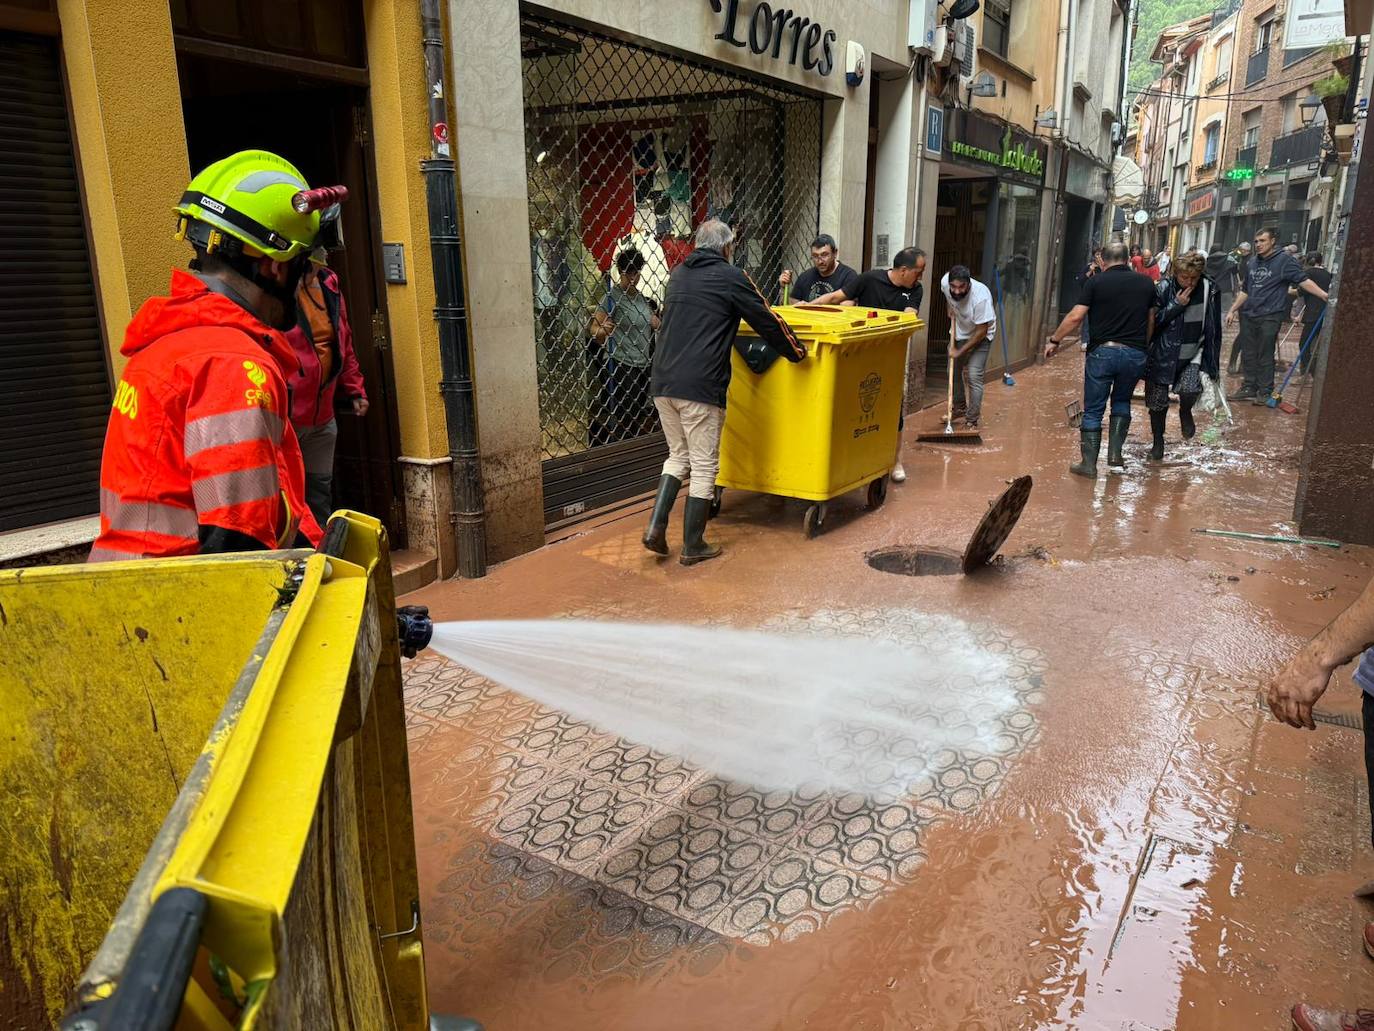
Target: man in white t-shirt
{"x": 973, "y": 329}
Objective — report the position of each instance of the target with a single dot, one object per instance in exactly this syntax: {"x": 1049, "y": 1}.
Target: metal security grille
{"x": 54, "y": 384}
{"x": 630, "y": 150}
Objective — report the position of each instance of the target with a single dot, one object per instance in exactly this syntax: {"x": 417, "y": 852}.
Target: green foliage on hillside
{"x": 1155, "y": 15}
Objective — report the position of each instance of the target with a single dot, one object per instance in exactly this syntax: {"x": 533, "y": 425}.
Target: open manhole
{"x": 992, "y": 532}
{"x": 917, "y": 561}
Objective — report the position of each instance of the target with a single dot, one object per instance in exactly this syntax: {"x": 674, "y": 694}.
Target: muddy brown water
{"x": 1151, "y": 850}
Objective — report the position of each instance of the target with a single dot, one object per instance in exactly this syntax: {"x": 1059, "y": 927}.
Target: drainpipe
{"x": 450, "y": 311}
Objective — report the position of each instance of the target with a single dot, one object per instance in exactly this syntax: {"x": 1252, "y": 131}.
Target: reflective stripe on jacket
{"x": 198, "y": 435}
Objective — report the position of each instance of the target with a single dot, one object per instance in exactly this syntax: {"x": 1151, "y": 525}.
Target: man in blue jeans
{"x": 1120, "y": 305}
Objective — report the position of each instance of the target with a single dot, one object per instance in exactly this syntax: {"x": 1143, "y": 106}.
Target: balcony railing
{"x": 1245, "y": 157}
{"x": 1297, "y": 147}
{"x": 1205, "y": 167}
{"x": 1224, "y": 77}
{"x": 1257, "y": 67}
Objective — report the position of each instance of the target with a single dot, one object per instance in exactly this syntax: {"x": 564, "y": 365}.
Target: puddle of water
{"x": 772, "y": 711}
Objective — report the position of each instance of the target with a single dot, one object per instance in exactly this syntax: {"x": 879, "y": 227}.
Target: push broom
{"x": 949, "y": 435}
{"x": 1276, "y": 398}
{"x": 1002, "y": 325}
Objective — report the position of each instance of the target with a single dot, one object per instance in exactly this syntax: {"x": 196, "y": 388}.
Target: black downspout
{"x": 450, "y": 312}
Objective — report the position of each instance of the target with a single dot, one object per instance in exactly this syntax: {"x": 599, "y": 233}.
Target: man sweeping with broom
{"x": 975, "y": 327}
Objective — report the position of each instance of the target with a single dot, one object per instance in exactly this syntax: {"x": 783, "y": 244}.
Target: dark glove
{"x": 758, "y": 356}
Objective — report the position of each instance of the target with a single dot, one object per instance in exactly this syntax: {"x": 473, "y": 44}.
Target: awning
{"x": 1128, "y": 181}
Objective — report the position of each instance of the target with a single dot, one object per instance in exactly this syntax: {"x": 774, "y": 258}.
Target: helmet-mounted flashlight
{"x": 318, "y": 199}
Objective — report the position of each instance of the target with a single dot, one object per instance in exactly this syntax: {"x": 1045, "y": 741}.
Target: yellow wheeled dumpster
{"x": 206, "y": 801}
{"x": 826, "y": 425}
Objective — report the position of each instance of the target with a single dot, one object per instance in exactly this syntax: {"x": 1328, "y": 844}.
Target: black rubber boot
{"x": 1157, "y": 428}
{"x": 1120, "y": 425}
{"x": 1185, "y": 419}
{"x": 694, "y": 547}
{"x": 1091, "y": 443}
{"x": 656, "y": 536}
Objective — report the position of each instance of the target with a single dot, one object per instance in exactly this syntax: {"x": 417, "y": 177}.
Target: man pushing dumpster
{"x": 200, "y": 456}
{"x": 706, "y": 299}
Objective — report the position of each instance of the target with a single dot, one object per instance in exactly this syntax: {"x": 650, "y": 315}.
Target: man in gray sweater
{"x": 1262, "y": 305}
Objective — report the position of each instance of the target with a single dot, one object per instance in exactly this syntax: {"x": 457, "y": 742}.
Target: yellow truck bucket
{"x": 205, "y": 783}
{"x": 828, "y": 424}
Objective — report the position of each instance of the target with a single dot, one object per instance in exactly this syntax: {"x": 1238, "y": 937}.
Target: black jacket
{"x": 706, "y": 299}
{"x": 1221, "y": 270}
{"x": 1163, "y": 365}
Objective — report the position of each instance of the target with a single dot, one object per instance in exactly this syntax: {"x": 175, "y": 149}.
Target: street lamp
{"x": 1307, "y": 109}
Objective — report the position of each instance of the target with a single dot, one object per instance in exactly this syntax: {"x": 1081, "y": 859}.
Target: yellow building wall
{"x": 131, "y": 147}
{"x": 131, "y": 143}
{"x": 1029, "y": 68}
{"x": 1205, "y": 110}
{"x": 400, "y": 128}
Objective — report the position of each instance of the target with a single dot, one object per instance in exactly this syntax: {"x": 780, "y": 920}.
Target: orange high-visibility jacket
{"x": 199, "y": 434}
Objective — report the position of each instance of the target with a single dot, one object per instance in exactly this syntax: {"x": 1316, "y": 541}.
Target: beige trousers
{"x": 693, "y": 432}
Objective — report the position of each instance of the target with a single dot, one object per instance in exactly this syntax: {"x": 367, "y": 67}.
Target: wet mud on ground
{"x": 1142, "y": 848}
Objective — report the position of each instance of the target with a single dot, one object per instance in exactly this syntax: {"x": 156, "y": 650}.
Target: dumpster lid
{"x": 837, "y": 323}
{"x": 996, "y": 525}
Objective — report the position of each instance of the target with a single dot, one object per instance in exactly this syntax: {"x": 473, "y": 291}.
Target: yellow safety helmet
{"x": 250, "y": 199}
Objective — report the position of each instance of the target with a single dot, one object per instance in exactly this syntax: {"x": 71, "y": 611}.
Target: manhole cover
{"x": 996, "y": 525}
{"x": 916, "y": 561}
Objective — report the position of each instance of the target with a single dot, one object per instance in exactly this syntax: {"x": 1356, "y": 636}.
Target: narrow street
{"x": 1145, "y": 849}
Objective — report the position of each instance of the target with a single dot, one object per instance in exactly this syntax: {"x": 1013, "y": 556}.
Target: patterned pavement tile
{"x": 793, "y": 895}
{"x": 569, "y": 821}
{"x": 562, "y": 799}
{"x": 685, "y": 865}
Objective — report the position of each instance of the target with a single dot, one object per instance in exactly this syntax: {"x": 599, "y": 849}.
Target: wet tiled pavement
{"x": 1140, "y": 847}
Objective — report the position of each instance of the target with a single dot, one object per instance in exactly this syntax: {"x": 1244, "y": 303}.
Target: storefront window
{"x": 1017, "y": 255}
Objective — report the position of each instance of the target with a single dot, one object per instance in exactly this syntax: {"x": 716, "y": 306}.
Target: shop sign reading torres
{"x": 779, "y": 32}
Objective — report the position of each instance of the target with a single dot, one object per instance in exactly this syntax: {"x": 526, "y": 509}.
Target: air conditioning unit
{"x": 964, "y": 49}
{"x": 923, "y": 23}
{"x": 941, "y": 51}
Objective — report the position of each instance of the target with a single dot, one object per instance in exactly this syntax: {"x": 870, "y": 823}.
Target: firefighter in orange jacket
{"x": 200, "y": 456}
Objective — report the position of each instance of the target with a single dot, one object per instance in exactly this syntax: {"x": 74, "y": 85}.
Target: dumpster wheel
{"x": 813, "y": 523}
{"x": 877, "y": 493}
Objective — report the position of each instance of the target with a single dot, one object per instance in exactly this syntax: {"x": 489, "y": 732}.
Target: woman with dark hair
{"x": 624, "y": 325}
{"x": 1187, "y": 343}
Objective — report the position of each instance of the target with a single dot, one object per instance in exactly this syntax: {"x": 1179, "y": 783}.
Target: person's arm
{"x": 1071, "y": 322}
{"x": 1312, "y": 288}
{"x": 979, "y": 334}
{"x": 1308, "y": 674}
{"x": 834, "y": 297}
{"x": 1240, "y": 298}
{"x": 763, "y": 320}
{"x": 231, "y": 453}
{"x": 350, "y": 375}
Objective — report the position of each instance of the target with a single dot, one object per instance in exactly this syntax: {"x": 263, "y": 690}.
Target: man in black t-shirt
{"x": 1120, "y": 305}
{"x": 1312, "y": 307}
{"x": 826, "y": 274}
{"x": 895, "y": 289}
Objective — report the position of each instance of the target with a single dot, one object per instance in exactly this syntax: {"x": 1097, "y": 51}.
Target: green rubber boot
{"x": 1091, "y": 443}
